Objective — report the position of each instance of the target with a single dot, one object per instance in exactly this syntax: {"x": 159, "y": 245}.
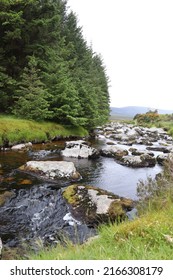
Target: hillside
{"x": 131, "y": 111}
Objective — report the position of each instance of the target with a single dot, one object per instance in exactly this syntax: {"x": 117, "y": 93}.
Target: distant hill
{"x": 131, "y": 111}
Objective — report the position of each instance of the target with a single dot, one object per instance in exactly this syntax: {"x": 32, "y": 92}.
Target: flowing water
{"x": 103, "y": 172}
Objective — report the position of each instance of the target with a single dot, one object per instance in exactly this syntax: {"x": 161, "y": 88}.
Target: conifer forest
{"x": 47, "y": 69}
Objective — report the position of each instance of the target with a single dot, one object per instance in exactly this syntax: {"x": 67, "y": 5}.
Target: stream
{"x": 35, "y": 210}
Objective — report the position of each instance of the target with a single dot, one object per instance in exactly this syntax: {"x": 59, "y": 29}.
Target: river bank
{"x": 14, "y": 130}
{"x": 148, "y": 237}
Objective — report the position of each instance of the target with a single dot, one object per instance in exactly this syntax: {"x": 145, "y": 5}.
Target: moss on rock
{"x": 116, "y": 210}
{"x": 70, "y": 195}
{"x": 4, "y": 196}
{"x": 93, "y": 205}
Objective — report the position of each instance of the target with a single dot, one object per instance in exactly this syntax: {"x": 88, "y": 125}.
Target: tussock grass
{"x": 13, "y": 130}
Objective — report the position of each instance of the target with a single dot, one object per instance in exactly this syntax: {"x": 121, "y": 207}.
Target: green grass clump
{"x": 13, "y": 130}
{"x": 170, "y": 131}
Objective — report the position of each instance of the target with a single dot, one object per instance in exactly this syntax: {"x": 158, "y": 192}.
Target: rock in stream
{"x": 39, "y": 213}
{"x": 52, "y": 169}
{"x": 93, "y": 205}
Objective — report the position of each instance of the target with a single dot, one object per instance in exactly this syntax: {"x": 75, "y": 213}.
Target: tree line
{"x": 47, "y": 70}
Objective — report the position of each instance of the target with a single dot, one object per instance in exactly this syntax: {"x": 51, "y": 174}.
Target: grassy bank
{"x": 146, "y": 237}
{"x": 149, "y": 236}
{"x": 153, "y": 119}
{"x": 13, "y": 130}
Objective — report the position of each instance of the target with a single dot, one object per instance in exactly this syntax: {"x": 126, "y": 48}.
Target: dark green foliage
{"x": 46, "y": 68}
{"x": 7, "y": 85}
{"x": 31, "y": 96}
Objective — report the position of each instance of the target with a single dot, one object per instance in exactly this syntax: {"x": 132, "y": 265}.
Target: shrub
{"x": 148, "y": 117}
{"x": 156, "y": 193}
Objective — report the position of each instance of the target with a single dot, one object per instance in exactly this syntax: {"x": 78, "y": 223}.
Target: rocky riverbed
{"x": 38, "y": 204}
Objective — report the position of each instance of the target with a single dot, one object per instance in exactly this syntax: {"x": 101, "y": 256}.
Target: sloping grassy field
{"x": 13, "y": 130}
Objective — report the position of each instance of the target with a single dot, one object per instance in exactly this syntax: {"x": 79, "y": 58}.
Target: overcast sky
{"x": 135, "y": 39}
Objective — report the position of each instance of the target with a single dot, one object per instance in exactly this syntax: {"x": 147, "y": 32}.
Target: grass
{"x": 13, "y": 130}
{"x": 120, "y": 118}
{"x": 146, "y": 237}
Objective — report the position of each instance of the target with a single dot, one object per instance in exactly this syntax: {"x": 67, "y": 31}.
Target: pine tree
{"x": 11, "y": 22}
{"x": 31, "y": 95}
{"x": 64, "y": 103}
{"x": 7, "y": 85}
{"x": 100, "y": 83}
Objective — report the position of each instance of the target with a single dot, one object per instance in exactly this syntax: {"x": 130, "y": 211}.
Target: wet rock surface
{"x": 143, "y": 160}
{"x": 52, "y": 169}
{"x": 114, "y": 151}
{"x": 161, "y": 158}
{"x": 38, "y": 214}
{"x": 5, "y": 196}
{"x": 118, "y": 135}
{"x": 79, "y": 149}
{"x": 124, "y": 133}
{"x": 93, "y": 205}
{"x": 22, "y": 147}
